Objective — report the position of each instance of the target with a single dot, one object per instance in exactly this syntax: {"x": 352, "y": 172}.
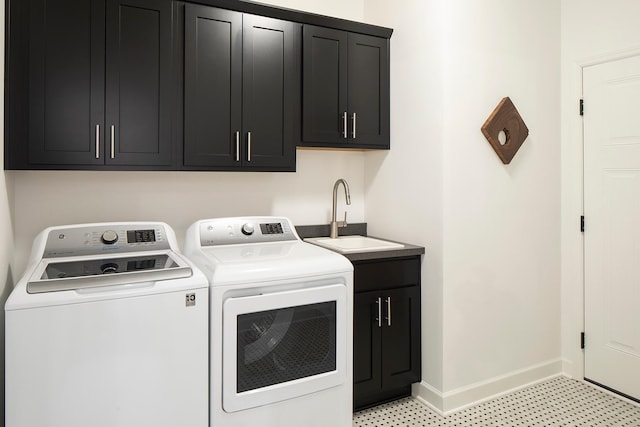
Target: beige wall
{"x": 491, "y": 275}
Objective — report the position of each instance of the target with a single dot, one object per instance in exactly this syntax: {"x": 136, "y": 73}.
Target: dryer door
{"x": 283, "y": 345}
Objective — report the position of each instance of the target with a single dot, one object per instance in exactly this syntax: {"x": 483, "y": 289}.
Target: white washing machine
{"x": 281, "y": 324}
{"x": 108, "y": 327}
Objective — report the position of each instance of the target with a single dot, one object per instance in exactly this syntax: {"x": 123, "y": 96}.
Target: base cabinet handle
{"x": 388, "y": 311}
{"x": 379, "y": 318}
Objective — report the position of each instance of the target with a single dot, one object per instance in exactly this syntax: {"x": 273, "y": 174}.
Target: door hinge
{"x": 582, "y": 223}
{"x": 582, "y": 340}
{"x": 582, "y": 107}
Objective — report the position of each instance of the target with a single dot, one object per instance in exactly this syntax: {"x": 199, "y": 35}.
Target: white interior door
{"x": 612, "y": 224}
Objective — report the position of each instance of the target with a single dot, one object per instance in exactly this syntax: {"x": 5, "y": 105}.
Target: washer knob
{"x": 109, "y": 237}
{"x": 247, "y": 229}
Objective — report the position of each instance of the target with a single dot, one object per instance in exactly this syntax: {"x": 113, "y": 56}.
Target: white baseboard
{"x": 455, "y": 400}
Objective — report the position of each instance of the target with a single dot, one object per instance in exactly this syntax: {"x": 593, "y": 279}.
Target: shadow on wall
{"x": 6, "y": 290}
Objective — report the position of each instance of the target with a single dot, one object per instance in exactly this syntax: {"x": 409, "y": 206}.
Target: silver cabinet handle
{"x": 388, "y": 311}
{"x": 248, "y": 146}
{"x": 237, "y": 146}
{"x": 113, "y": 141}
{"x": 97, "y": 141}
{"x": 379, "y": 318}
{"x": 353, "y": 131}
{"x": 345, "y": 125}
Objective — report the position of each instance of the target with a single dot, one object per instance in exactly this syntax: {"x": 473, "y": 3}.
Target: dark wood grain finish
{"x": 345, "y": 94}
{"x": 66, "y": 81}
{"x": 138, "y": 82}
{"x": 269, "y": 89}
{"x": 213, "y": 86}
{"x": 324, "y": 85}
{"x": 387, "y": 330}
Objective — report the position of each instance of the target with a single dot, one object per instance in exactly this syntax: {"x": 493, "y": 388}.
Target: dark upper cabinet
{"x": 241, "y": 99}
{"x": 66, "y": 82}
{"x": 99, "y": 76}
{"x": 345, "y": 96}
{"x": 139, "y": 89}
{"x": 169, "y": 85}
{"x": 386, "y": 330}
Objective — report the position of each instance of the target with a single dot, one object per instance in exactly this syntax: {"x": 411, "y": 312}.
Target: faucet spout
{"x": 335, "y": 224}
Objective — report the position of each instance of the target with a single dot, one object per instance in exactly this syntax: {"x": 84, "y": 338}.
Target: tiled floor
{"x": 557, "y": 402}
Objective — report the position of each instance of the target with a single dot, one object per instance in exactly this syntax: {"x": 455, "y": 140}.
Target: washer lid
{"x": 87, "y": 272}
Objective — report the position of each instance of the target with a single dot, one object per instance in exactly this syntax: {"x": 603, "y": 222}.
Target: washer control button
{"x": 247, "y": 229}
{"x": 109, "y": 237}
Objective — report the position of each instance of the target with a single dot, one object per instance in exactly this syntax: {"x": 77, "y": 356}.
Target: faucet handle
{"x": 343, "y": 224}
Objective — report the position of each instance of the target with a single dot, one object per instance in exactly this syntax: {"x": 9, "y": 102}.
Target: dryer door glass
{"x": 286, "y": 344}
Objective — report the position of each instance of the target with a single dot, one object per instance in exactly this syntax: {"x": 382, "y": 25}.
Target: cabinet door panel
{"x": 401, "y": 339}
{"x": 66, "y": 92}
{"x": 213, "y": 86}
{"x": 324, "y": 84}
{"x": 139, "y": 82}
{"x": 368, "y": 84}
{"x": 269, "y": 88}
{"x": 366, "y": 347}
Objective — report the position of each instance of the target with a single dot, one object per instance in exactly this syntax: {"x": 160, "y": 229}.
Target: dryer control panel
{"x": 228, "y": 231}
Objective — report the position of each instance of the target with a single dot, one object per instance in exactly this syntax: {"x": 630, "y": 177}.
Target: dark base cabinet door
{"x": 139, "y": 82}
{"x": 386, "y": 345}
{"x": 66, "y": 81}
{"x": 401, "y": 337}
{"x": 366, "y": 346}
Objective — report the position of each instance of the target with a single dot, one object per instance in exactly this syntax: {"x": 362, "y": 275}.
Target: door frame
{"x": 572, "y": 207}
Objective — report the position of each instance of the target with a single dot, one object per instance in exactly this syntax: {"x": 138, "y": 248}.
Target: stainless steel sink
{"x": 351, "y": 244}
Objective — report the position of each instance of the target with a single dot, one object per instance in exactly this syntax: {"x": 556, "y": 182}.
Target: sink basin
{"x": 350, "y": 244}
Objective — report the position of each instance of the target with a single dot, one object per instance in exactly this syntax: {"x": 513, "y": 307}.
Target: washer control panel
{"x": 105, "y": 238}
{"x": 228, "y": 231}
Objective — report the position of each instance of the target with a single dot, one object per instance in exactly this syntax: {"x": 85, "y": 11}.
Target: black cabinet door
{"x": 368, "y": 88}
{"x": 401, "y": 337}
{"x": 324, "y": 102}
{"x": 66, "y": 82}
{"x": 138, "y": 82}
{"x": 213, "y": 87}
{"x": 366, "y": 347}
{"x": 345, "y": 100}
{"x": 269, "y": 88}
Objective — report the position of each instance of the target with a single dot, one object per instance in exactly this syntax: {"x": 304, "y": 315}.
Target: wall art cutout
{"x": 505, "y": 130}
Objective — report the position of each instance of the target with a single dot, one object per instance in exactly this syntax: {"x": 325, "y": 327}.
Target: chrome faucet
{"x": 335, "y": 224}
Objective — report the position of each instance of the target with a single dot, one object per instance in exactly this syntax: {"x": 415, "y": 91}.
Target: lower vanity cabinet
{"x": 386, "y": 329}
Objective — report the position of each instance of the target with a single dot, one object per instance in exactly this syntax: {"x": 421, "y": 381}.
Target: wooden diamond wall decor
{"x": 505, "y": 130}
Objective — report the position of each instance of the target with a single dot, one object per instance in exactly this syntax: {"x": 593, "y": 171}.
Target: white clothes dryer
{"x": 108, "y": 327}
{"x": 281, "y": 324}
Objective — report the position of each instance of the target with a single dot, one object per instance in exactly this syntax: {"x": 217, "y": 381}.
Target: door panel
{"x": 213, "y": 86}
{"x": 138, "y": 86}
{"x": 612, "y": 208}
{"x": 368, "y": 84}
{"x": 66, "y": 92}
{"x": 269, "y": 88}
{"x": 401, "y": 337}
{"x": 366, "y": 344}
{"x": 324, "y": 84}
